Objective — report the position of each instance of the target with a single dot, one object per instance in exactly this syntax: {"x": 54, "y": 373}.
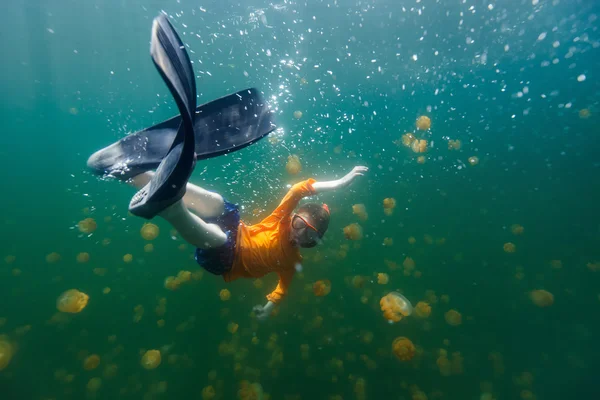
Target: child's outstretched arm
{"x": 320, "y": 187}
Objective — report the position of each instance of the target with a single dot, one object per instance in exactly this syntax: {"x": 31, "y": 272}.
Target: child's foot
{"x": 167, "y": 186}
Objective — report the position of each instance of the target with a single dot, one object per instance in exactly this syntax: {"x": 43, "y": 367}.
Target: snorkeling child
{"x": 225, "y": 245}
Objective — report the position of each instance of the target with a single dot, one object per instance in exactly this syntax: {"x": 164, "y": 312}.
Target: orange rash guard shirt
{"x": 265, "y": 247}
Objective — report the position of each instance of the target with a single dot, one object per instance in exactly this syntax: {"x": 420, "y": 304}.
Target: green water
{"x": 507, "y": 79}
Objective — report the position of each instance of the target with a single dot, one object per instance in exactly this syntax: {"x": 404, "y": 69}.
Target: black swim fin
{"x": 168, "y": 184}
{"x": 221, "y": 126}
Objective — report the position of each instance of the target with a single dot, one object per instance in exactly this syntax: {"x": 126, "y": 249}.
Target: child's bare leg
{"x": 203, "y": 203}
{"x": 193, "y": 229}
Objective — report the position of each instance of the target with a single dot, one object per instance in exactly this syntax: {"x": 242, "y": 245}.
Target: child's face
{"x": 303, "y": 233}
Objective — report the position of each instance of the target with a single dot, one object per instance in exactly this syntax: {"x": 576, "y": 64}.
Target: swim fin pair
{"x": 173, "y": 146}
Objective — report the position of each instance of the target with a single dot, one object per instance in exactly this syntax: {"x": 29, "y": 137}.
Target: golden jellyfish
{"x": 383, "y": 278}
{"x": 106, "y": 290}
{"x": 423, "y": 123}
{"x": 72, "y": 301}
{"x": 91, "y": 362}
{"x": 94, "y": 384}
{"x": 6, "y": 352}
{"x": 151, "y": 359}
{"x": 509, "y": 247}
{"x": 388, "y": 241}
{"x": 473, "y": 161}
{"x": 412, "y": 240}
{"x": 556, "y": 264}
{"x": 419, "y": 146}
{"x": 297, "y": 114}
{"x": 358, "y": 281}
{"x": 517, "y": 229}
{"x": 225, "y": 294}
{"x": 208, "y": 393}
{"x": 128, "y": 258}
{"x": 184, "y": 276}
{"x": 454, "y": 144}
{"x": 360, "y": 211}
{"x": 541, "y": 298}
{"x": 322, "y": 288}
{"x": 148, "y": 248}
{"x": 87, "y": 225}
{"x": 422, "y": 310}
{"x": 53, "y": 258}
{"x": 403, "y": 348}
{"x": 172, "y": 283}
{"x": 149, "y": 231}
{"x": 389, "y": 204}
{"x": 453, "y": 317}
{"x": 293, "y": 165}
{"x": 593, "y": 266}
{"x": 408, "y": 139}
{"x": 421, "y": 160}
{"x": 232, "y": 327}
{"x": 584, "y": 113}
{"x": 395, "y": 307}
{"x": 83, "y": 257}
{"x": 409, "y": 264}
{"x": 353, "y": 232}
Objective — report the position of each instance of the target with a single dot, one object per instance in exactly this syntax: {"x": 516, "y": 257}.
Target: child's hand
{"x": 263, "y": 312}
{"x": 356, "y": 171}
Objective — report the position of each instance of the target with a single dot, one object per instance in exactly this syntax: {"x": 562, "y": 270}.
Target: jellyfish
{"x": 555, "y": 264}
{"x": 148, "y": 248}
{"x": 419, "y": 146}
{"x": 383, "y": 278}
{"x": 407, "y": 139}
{"x": 184, "y": 276}
{"x": 53, "y": 258}
{"x": 353, "y": 232}
{"x": 232, "y": 327}
{"x": 322, "y": 288}
{"x": 360, "y": 211}
{"x": 149, "y": 231}
{"x": 593, "y": 266}
{"x": 409, "y": 264}
{"x": 388, "y": 241}
{"x": 444, "y": 365}
{"x": 517, "y": 229}
{"x": 72, "y": 301}
{"x": 454, "y": 144}
{"x": 83, "y": 257}
{"x": 87, "y": 225}
{"x": 6, "y": 352}
{"x": 388, "y": 205}
{"x": 509, "y": 247}
{"x": 128, "y": 258}
{"x": 584, "y": 113}
{"x": 358, "y": 281}
{"x": 422, "y": 310}
{"x": 541, "y": 298}
{"x": 225, "y": 294}
{"x": 151, "y": 359}
{"x": 91, "y": 362}
{"x": 395, "y": 307}
{"x": 403, "y": 348}
{"x": 421, "y": 160}
{"x": 473, "y": 161}
{"x": 297, "y": 114}
{"x": 423, "y": 123}
{"x": 293, "y": 165}
{"x": 412, "y": 240}
{"x": 453, "y": 318}
{"x": 94, "y": 384}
